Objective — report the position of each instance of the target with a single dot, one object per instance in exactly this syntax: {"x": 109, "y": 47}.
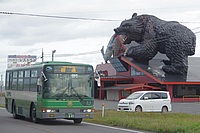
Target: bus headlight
{"x": 44, "y": 110}
{"x": 50, "y": 110}
{"x": 86, "y": 110}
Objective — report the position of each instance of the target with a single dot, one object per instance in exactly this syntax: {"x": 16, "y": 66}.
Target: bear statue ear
{"x": 134, "y": 15}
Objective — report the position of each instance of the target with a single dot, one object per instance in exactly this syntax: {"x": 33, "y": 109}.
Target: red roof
{"x": 129, "y": 87}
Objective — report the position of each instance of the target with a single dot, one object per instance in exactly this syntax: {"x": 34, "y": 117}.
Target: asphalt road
{"x": 10, "y": 125}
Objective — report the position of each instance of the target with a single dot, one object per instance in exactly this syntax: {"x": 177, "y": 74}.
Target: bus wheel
{"x": 33, "y": 114}
{"x": 15, "y": 116}
{"x": 78, "y": 120}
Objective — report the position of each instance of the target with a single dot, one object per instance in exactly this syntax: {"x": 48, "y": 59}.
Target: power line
{"x": 65, "y": 55}
{"x": 130, "y": 10}
{"x": 58, "y": 17}
{"x": 65, "y": 17}
{"x": 196, "y": 28}
{"x": 197, "y": 32}
{"x": 74, "y": 54}
{"x": 190, "y": 22}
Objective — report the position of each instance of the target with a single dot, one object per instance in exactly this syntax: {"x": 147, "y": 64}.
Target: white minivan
{"x": 146, "y": 101}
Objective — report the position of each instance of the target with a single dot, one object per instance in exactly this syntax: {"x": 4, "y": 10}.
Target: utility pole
{"x": 53, "y": 52}
{"x": 42, "y": 55}
{"x": 1, "y": 84}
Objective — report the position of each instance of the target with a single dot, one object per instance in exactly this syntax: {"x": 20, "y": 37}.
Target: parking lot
{"x": 191, "y": 108}
{"x": 183, "y": 107}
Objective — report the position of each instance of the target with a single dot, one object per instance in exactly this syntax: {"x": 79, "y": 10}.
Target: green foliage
{"x": 155, "y": 122}
{"x": 1, "y": 105}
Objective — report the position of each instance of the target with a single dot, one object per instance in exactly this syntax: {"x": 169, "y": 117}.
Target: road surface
{"x": 10, "y": 125}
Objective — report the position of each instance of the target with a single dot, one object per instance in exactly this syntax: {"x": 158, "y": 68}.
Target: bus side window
{"x": 14, "y": 81}
{"x": 34, "y": 73}
{"x": 20, "y": 83}
{"x": 33, "y": 81}
{"x": 33, "y": 84}
{"x": 8, "y": 80}
{"x": 27, "y": 80}
{"x": 39, "y": 85}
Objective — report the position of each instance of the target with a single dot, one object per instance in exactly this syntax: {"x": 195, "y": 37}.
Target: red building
{"x": 123, "y": 76}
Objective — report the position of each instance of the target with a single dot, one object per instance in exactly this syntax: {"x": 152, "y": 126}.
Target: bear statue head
{"x": 132, "y": 29}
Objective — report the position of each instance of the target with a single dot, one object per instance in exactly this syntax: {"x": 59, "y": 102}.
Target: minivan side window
{"x": 156, "y": 96}
{"x": 164, "y": 95}
{"x": 146, "y": 95}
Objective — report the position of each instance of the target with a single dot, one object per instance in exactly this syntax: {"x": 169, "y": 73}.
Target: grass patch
{"x": 2, "y": 105}
{"x": 155, "y": 122}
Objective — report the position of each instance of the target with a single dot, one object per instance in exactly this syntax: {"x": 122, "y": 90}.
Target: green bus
{"x": 50, "y": 90}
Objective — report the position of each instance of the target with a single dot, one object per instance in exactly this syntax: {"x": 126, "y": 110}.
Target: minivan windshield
{"x": 134, "y": 96}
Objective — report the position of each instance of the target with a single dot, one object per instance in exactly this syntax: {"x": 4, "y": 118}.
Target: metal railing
{"x": 191, "y": 97}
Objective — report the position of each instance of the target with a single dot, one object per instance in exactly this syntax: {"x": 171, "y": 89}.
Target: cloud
{"x": 27, "y": 30}
{"x": 29, "y": 34}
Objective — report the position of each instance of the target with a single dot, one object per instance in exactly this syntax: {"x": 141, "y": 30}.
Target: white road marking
{"x": 122, "y": 129}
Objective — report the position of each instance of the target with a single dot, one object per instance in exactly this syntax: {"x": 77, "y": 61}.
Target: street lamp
{"x": 53, "y": 51}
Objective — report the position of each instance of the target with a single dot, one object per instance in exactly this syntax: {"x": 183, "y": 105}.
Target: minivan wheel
{"x": 164, "y": 109}
{"x": 138, "y": 109}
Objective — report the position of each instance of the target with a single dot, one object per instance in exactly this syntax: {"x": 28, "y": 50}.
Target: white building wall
{"x": 112, "y": 95}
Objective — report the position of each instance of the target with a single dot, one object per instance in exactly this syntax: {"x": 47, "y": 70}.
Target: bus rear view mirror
{"x": 45, "y": 78}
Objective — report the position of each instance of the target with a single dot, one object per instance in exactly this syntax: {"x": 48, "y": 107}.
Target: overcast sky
{"x": 28, "y": 35}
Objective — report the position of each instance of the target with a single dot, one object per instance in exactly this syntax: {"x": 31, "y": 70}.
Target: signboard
{"x": 20, "y": 60}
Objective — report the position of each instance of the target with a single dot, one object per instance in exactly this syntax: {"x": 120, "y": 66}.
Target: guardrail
{"x": 191, "y": 97}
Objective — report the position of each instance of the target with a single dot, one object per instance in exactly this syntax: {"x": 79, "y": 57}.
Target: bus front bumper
{"x": 70, "y": 114}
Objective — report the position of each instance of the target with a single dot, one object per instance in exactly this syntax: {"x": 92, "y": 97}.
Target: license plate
{"x": 69, "y": 115}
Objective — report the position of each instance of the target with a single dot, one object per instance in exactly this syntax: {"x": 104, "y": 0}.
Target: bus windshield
{"x": 67, "y": 85}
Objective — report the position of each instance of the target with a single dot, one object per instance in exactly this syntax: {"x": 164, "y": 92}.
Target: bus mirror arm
{"x": 45, "y": 78}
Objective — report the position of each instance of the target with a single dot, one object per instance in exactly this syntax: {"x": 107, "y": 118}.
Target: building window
{"x": 135, "y": 72}
{"x": 125, "y": 93}
{"x": 186, "y": 90}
